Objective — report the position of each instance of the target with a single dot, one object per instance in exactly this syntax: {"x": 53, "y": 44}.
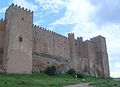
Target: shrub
{"x": 71, "y": 72}
{"x": 51, "y": 70}
{"x": 81, "y": 76}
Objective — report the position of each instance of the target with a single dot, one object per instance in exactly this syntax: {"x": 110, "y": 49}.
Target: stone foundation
{"x": 42, "y": 61}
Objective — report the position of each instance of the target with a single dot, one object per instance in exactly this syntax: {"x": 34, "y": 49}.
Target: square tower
{"x": 18, "y": 40}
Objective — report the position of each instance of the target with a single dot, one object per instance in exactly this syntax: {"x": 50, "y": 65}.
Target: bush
{"x": 71, "y": 72}
{"x": 51, "y": 70}
{"x": 81, "y": 76}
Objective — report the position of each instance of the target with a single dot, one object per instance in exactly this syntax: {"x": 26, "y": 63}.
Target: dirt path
{"x": 80, "y": 85}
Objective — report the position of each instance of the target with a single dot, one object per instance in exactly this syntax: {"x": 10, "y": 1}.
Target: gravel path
{"x": 80, "y": 85}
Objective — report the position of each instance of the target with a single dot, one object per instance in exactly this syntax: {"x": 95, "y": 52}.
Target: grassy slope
{"x": 36, "y": 80}
{"x": 99, "y": 82}
{"x": 43, "y": 80}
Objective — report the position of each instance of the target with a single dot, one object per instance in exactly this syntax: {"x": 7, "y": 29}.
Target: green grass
{"x": 100, "y": 82}
{"x": 43, "y": 80}
{"x": 36, "y": 80}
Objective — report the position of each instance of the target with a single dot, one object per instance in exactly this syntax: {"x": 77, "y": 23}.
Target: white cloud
{"x": 117, "y": 65}
{"x": 25, "y": 4}
{"x": 52, "y": 5}
{"x": 39, "y": 22}
{"x": 115, "y": 74}
{"x": 116, "y": 71}
{"x": 81, "y": 14}
{"x": 76, "y": 11}
{"x": 2, "y": 10}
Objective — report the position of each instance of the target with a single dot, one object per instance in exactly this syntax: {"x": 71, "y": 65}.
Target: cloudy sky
{"x": 87, "y": 18}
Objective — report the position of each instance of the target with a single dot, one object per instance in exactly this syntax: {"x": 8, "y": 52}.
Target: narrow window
{"x": 20, "y": 39}
{"x": 22, "y": 18}
{"x": 76, "y": 44}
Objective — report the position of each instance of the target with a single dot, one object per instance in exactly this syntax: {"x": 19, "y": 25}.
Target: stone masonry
{"x": 27, "y": 48}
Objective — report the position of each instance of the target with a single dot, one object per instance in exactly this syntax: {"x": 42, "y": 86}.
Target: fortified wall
{"x": 27, "y": 48}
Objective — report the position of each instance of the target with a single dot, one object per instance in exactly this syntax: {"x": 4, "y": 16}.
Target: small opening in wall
{"x": 48, "y": 62}
{"x": 76, "y": 44}
{"x": 20, "y": 39}
{"x": 22, "y": 18}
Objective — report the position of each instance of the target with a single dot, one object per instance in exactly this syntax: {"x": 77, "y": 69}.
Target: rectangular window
{"x": 20, "y": 39}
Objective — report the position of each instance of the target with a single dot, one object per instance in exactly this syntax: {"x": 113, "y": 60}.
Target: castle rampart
{"x": 27, "y": 48}
{"x": 51, "y": 43}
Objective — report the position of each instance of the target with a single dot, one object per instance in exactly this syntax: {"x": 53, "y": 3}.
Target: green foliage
{"x": 44, "y": 80}
{"x": 51, "y": 70}
{"x": 80, "y": 75}
{"x": 36, "y": 80}
{"x": 71, "y": 71}
{"x": 101, "y": 82}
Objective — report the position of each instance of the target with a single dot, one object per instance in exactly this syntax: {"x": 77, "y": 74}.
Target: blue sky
{"x": 87, "y": 18}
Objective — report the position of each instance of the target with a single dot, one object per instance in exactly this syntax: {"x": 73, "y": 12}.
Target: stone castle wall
{"x": 101, "y": 59}
{"x": 45, "y": 41}
{"x": 18, "y": 40}
{"x": 42, "y": 61}
{"x": 2, "y": 32}
{"x": 26, "y": 48}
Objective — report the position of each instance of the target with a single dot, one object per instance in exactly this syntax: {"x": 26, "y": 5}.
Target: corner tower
{"x": 18, "y": 40}
{"x": 72, "y": 45}
{"x": 102, "y": 62}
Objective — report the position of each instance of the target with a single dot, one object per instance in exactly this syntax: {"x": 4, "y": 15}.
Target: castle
{"x": 27, "y": 48}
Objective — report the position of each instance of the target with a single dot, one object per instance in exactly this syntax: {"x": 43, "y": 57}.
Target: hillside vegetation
{"x": 44, "y": 80}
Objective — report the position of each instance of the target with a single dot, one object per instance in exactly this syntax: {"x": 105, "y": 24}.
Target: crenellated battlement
{"x": 20, "y": 39}
{"x": 19, "y": 7}
{"x": 80, "y": 38}
{"x": 49, "y": 31}
{"x": 2, "y": 25}
{"x": 97, "y": 37}
{"x": 2, "y": 20}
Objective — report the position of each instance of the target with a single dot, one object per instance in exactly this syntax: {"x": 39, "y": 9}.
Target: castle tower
{"x": 102, "y": 62}
{"x": 85, "y": 57}
{"x": 78, "y": 47}
{"x": 72, "y": 45}
{"x": 18, "y": 40}
{"x": 89, "y": 56}
{"x": 2, "y": 32}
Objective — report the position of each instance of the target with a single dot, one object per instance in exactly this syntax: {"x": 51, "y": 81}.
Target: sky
{"x": 86, "y": 18}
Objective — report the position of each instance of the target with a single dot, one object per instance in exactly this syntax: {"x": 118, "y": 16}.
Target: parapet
{"x": 1, "y": 20}
{"x": 96, "y": 38}
{"x": 49, "y": 31}
{"x": 87, "y": 41}
{"x": 80, "y": 39}
{"x": 2, "y": 25}
{"x": 19, "y": 7}
{"x": 71, "y": 35}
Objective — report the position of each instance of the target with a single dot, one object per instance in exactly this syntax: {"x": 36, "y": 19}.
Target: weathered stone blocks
{"x": 27, "y": 48}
